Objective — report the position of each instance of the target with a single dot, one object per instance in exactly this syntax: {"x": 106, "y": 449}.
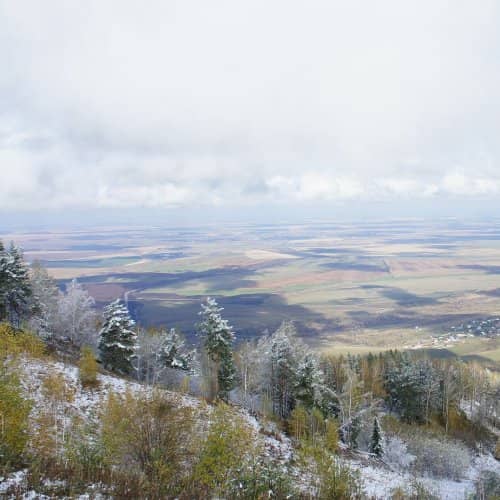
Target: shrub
{"x": 487, "y": 486}
{"x": 440, "y": 457}
{"x": 334, "y": 479}
{"x": 227, "y": 449}
{"x": 147, "y": 440}
{"x": 396, "y": 453}
{"x": 14, "y": 413}
{"x": 51, "y": 423}
{"x": 15, "y": 342}
{"x": 261, "y": 478}
{"x": 88, "y": 368}
{"x": 415, "y": 491}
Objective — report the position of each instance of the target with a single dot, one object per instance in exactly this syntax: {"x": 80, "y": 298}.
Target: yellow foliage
{"x": 15, "y": 342}
{"x": 228, "y": 443}
{"x": 56, "y": 390}
{"x": 14, "y": 413}
{"x": 88, "y": 368}
{"x": 332, "y": 435}
{"x": 298, "y": 423}
{"x": 148, "y": 434}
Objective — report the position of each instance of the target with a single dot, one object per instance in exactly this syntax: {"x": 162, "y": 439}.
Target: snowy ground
{"x": 378, "y": 480}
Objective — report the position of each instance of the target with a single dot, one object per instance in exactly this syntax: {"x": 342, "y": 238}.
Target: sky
{"x": 239, "y": 107}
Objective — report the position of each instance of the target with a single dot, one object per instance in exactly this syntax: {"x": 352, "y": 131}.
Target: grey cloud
{"x": 172, "y": 103}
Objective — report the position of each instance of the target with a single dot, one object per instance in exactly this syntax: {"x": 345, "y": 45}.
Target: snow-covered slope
{"x": 378, "y": 479}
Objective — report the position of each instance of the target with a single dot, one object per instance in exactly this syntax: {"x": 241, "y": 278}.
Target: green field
{"x": 358, "y": 287}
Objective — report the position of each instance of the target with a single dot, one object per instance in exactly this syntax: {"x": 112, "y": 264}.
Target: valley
{"x": 358, "y": 287}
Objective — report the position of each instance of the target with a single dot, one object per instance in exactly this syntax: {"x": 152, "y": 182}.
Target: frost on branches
{"x": 117, "y": 340}
{"x": 77, "y": 318}
{"x": 218, "y": 338}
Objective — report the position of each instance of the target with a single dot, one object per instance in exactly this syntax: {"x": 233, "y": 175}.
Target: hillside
{"x": 378, "y": 479}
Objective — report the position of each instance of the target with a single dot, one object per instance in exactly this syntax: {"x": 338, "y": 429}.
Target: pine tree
{"x": 117, "y": 340}
{"x": 218, "y": 338}
{"x": 354, "y": 428}
{"x": 308, "y": 381}
{"x": 17, "y": 291}
{"x": 285, "y": 353}
{"x": 173, "y": 353}
{"x": 376, "y": 441}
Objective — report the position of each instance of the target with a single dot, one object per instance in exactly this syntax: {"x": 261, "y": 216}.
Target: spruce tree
{"x": 376, "y": 441}
{"x": 308, "y": 381}
{"x": 17, "y": 288}
{"x": 117, "y": 340}
{"x": 285, "y": 353}
{"x": 218, "y": 338}
{"x": 173, "y": 353}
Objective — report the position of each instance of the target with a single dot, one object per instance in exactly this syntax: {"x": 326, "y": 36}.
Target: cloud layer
{"x": 175, "y": 103}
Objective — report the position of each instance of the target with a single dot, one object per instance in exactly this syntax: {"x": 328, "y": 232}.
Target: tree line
{"x": 275, "y": 374}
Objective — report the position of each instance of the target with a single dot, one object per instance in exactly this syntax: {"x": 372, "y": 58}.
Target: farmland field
{"x": 363, "y": 286}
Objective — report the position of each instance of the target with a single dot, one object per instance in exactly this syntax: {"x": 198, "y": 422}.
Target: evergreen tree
{"x": 284, "y": 364}
{"x": 353, "y": 430}
{"x": 173, "y": 353}
{"x": 218, "y": 338}
{"x": 376, "y": 441}
{"x": 308, "y": 381}
{"x": 17, "y": 288}
{"x": 117, "y": 340}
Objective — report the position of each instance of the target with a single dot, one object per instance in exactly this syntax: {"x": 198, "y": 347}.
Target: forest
{"x": 95, "y": 404}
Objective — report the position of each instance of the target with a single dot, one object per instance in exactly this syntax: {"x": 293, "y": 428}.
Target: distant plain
{"x": 354, "y": 287}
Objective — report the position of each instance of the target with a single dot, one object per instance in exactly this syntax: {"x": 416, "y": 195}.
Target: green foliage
{"x": 376, "y": 439}
{"x": 414, "y": 491}
{"x": 225, "y": 451}
{"x": 15, "y": 287}
{"x": 148, "y": 436}
{"x": 310, "y": 427}
{"x": 334, "y": 479}
{"x": 260, "y": 479}
{"x": 14, "y": 342}
{"x": 14, "y": 413}
{"x": 117, "y": 342}
{"x": 218, "y": 338}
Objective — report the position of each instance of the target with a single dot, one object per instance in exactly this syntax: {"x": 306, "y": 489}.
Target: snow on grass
{"x": 379, "y": 481}
{"x": 85, "y": 401}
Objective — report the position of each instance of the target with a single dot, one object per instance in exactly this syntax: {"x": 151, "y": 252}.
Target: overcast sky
{"x": 235, "y": 104}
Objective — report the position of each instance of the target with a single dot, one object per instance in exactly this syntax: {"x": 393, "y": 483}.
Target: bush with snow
{"x": 440, "y": 458}
{"x": 396, "y": 453}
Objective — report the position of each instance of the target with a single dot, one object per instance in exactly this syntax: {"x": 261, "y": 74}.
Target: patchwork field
{"x": 364, "y": 286}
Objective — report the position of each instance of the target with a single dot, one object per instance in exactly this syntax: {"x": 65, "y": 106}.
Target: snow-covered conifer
{"x": 173, "y": 353}
{"x": 308, "y": 381}
{"x": 376, "y": 446}
{"x": 117, "y": 340}
{"x": 218, "y": 338}
{"x": 17, "y": 288}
